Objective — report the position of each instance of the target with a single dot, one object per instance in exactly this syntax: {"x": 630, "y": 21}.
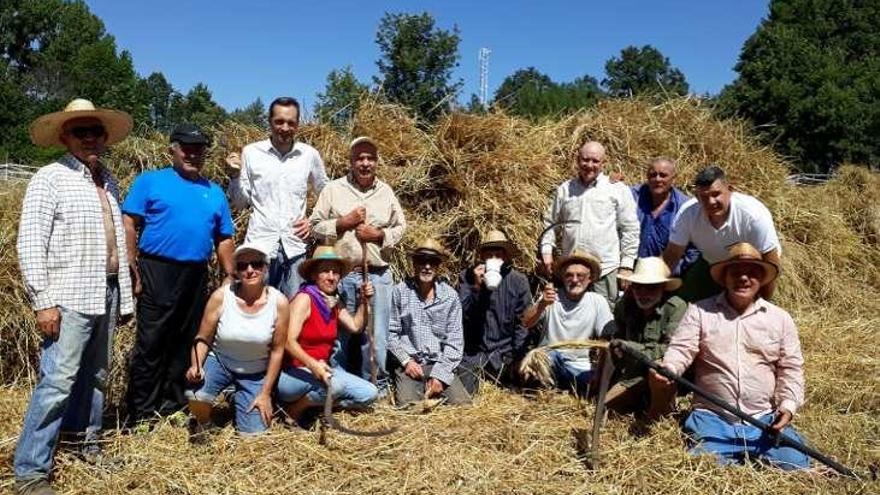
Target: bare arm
{"x": 532, "y": 315}
{"x": 279, "y": 338}
{"x": 205, "y": 337}
{"x": 300, "y": 310}
{"x": 225, "y": 249}
{"x": 354, "y": 324}
{"x": 672, "y": 254}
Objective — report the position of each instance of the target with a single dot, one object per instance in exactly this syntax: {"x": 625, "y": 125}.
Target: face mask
{"x": 493, "y": 273}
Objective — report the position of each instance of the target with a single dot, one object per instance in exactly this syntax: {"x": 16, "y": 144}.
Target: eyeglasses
{"x": 256, "y": 264}
{"x": 90, "y": 131}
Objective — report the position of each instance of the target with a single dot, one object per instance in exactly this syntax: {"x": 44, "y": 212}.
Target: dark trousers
{"x": 169, "y": 311}
{"x": 478, "y": 366}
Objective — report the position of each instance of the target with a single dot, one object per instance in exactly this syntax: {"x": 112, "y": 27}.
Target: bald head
{"x": 590, "y": 161}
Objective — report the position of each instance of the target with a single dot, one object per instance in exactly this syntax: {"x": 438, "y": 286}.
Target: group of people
{"x": 271, "y": 331}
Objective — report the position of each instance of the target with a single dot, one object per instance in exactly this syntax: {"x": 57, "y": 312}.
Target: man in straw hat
{"x": 174, "y": 219}
{"x": 602, "y": 219}
{"x": 494, "y": 296}
{"x": 425, "y": 333}
{"x": 716, "y": 218}
{"x": 745, "y": 351}
{"x": 273, "y": 176}
{"x": 645, "y": 317}
{"x": 355, "y": 212}
{"x": 575, "y": 315}
{"x": 71, "y": 249}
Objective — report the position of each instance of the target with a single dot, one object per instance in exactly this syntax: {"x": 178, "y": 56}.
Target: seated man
{"x": 493, "y": 297}
{"x": 646, "y": 317}
{"x": 575, "y": 315}
{"x": 745, "y": 351}
{"x": 425, "y": 333}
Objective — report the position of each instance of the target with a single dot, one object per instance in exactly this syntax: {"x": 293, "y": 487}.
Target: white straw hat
{"x": 652, "y": 271}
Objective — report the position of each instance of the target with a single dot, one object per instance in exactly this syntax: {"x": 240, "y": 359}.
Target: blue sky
{"x": 261, "y": 48}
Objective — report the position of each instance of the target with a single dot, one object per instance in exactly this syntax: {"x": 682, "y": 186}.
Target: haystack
{"x": 456, "y": 179}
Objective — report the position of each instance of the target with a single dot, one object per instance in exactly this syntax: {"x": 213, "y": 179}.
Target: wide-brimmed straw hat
{"x": 323, "y": 254}
{"x": 743, "y": 252}
{"x": 652, "y": 271}
{"x": 430, "y": 248}
{"x": 582, "y": 257}
{"x": 249, "y": 248}
{"x": 47, "y": 130}
{"x": 497, "y": 239}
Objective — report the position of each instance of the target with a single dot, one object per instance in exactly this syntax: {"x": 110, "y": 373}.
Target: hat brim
{"x": 505, "y": 245}
{"x": 46, "y": 130}
{"x": 430, "y": 253}
{"x": 242, "y": 250}
{"x": 593, "y": 263}
{"x": 669, "y": 284}
{"x": 771, "y": 271}
{"x": 307, "y": 267}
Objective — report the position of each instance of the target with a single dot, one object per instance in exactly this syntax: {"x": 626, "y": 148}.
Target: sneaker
{"x": 36, "y": 486}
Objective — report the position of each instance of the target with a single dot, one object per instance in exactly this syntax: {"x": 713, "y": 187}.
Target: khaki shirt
{"x": 647, "y": 333}
{"x": 383, "y": 211}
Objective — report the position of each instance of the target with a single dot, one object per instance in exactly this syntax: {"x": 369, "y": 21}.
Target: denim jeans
{"x": 569, "y": 377}
{"x": 380, "y": 312}
{"x": 732, "y": 443}
{"x": 284, "y": 272}
{"x": 349, "y": 391}
{"x": 70, "y": 393}
{"x": 247, "y": 387}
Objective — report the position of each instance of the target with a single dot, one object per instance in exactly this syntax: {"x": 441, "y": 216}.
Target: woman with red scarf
{"x": 315, "y": 314}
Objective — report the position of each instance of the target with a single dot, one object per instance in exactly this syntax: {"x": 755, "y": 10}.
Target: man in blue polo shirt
{"x": 181, "y": 217}
{"x": 657, "y": 203}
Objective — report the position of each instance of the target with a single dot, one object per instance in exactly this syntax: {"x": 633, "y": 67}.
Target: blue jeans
{"x": 284, "y": 272}
{"x": 348, "y": 391}
{"x": 70, "y": 393}
{"x": 380, "y": 312}
{"x": 732, "y": 443}
{"x": 247, "y": 386}
{"x": 569, "y": 377}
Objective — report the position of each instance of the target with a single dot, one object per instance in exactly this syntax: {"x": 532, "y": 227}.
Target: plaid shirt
{"x": 62, "y": 245}
{"x": 429, "y": 332}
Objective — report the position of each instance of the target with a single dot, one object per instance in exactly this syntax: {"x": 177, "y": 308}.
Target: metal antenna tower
{"x": 484, "y": 76}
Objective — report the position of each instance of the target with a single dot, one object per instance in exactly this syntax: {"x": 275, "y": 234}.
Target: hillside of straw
{"x": 456, "y": 179}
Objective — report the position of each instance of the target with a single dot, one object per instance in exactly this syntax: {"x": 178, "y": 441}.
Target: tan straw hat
{"x": 431, "y": 248}
{"x": 652, "y": 271}
{"x": 584, "y": 258}
{"x": 46, "y": 130}
{"x": 743, "y": 252}
{"x": 323, "y": 254}
{"x": 497, "y": 239}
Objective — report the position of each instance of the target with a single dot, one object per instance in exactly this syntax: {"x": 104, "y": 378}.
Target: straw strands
{"x": 456, "y": 179}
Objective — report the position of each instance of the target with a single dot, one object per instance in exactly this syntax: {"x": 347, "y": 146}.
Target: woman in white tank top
{"x": 240, "y": 343}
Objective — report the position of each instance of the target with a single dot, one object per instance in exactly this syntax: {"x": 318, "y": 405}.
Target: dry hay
{"x": 456, "y": 180}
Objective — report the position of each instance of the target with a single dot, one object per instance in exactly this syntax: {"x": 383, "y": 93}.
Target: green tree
{"x": 810, "y": 79}
{"x": 253, "y": 114}
{"x": 197, "y": 107}
{"x": 417, "y": 62}
{"x": 160, "y": 96}
{"x": 339, "y": 102}
{"x": 530, "y": 93}
{"x": 643, "y": 71}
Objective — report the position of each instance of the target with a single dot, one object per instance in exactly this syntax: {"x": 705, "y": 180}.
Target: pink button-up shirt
{"x": 752, "y": 360}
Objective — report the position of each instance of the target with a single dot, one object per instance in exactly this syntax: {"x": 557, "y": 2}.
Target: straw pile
{"x": 457, "y": 179}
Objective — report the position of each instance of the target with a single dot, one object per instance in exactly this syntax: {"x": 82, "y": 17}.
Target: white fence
{"x": 16, "y": 172}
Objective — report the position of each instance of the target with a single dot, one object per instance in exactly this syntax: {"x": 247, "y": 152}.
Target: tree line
{"x": 808, "y": 79}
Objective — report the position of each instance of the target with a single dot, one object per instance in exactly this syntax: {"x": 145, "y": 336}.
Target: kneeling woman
{"x": 241, "y": 343}
{"x": 315, "y": 313}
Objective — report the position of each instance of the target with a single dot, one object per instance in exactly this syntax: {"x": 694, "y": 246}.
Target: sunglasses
{"x": 426, "y": 260}
{"x": 90, "y": 131}
{"x": 256, "y": 264}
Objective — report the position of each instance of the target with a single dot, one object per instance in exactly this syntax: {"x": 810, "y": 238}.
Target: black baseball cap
{"x": 189, "y": 134}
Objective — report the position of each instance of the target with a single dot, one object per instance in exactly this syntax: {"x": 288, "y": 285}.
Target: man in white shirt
{"x": 602, "y": 220}
{"x": 273, "y": 177}
{"x": 713, "y": 221}
{"x": 576, "y": 314}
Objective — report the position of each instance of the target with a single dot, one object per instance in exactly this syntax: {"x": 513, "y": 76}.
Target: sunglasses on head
{"x": 256, "y": 264}
{"x": 97, "y": 131}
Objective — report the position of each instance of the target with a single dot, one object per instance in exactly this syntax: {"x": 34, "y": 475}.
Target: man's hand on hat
{"x": 368, "y": 233}
{"x": 49, "y": 322}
